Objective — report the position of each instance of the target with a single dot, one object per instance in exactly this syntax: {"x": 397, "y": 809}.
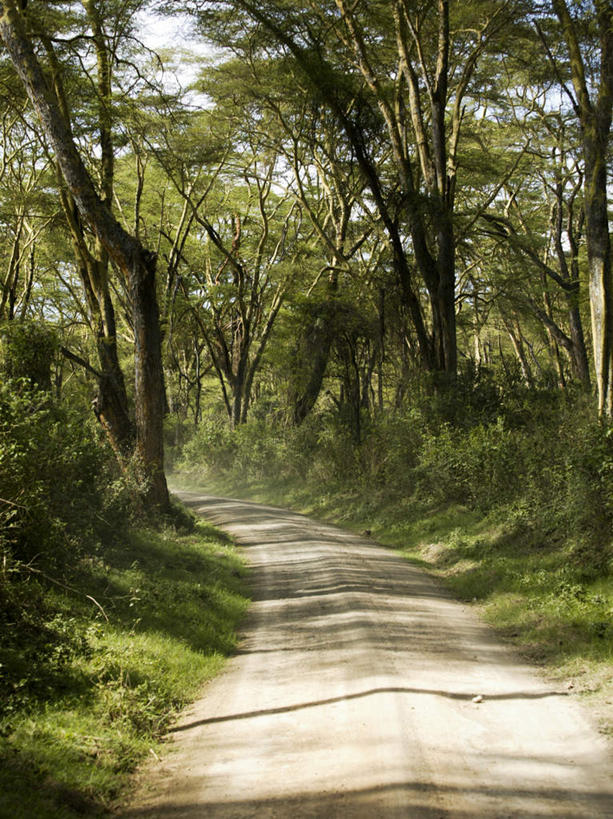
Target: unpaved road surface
{"x": 352, "y": 696}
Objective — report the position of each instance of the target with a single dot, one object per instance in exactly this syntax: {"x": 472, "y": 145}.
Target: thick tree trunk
{"x": 318, "y": 365}
{"x": 601, "y": 285}
{"x": 446, "y": 319}
{"x": 237, "y": 404}
{"x": 442, "y": 193}
{"x": 111, "y": 405}
{"x": 313, "y": 361}
{"x": 149, "y": 378}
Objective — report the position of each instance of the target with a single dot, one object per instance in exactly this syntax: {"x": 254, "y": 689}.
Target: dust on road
{"x": 352, "y": 694}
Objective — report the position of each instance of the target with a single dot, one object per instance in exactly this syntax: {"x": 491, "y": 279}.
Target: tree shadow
{"x": 286, "y": 709}
{"x": 402, "y": 800}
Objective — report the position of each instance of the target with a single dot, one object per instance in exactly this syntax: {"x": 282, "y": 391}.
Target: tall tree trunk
{"x": 111, "y": 404}
{"x": 320, "y": 342}
{"x": 134, "y": 262}
{"x": 595, "y": 119}
{"x": 149, "y": 379}
{"x": 515, "y": 334}
{"x": 601, "y": 285}
{"x": 8, "y": 295}
{"x": 443, "y": 197}
{"x": 313, "y": 358}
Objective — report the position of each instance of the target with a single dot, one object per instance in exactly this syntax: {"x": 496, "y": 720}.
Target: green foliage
{"x": 26, "y": 352}
{"x": 38, "y": 641}
{"x": 536, "y": 460}
{"x": 60, "y": 502}
{"x": 57, "y": 486}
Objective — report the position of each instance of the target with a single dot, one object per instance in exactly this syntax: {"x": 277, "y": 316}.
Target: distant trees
{"x": 398, "y": 79}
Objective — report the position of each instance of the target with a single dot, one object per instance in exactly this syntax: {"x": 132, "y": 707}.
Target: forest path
{"x": 352, "y": 692}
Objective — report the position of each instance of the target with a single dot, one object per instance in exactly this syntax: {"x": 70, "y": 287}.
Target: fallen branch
{"x": 68, "y": 588}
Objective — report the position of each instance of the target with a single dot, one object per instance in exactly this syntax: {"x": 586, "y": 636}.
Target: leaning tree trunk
{"x": 312, "y": 362}
{"x": 580, "y": 363}
{"x": 111, "y": 404}
{"x": 135, "y": 263}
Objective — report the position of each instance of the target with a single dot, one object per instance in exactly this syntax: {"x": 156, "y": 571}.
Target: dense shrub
{"x": 60, "y": 499}
{"x": 27, "y": 349}
{"x": 56, "y": 478}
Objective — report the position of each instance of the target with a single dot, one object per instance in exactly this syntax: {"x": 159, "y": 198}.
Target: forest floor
{"x": 360, "y": 687}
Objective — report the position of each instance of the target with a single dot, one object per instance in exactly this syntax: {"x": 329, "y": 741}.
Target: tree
{"x": 395, "y": 77}
{"x": 26, "y": 210}
{"x": 135, "y": 263}
{"x": 241, "y": 259}
{"x": 592, "y": 103}
{"x": 92, "y": 260}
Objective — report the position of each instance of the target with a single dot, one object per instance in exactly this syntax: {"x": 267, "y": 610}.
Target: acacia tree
{"x": 92, "y": 260}
{"x": 592, "y": 103}
{"x": 26, "y": 211}
{"x": 540, "y": 220}
{"x": 318, "y": 171}
{"x": 240, "y": 275}
{"x": 326, "y": 182}
{"x": 395, "y": 77}
{"x": 136, "y": 264}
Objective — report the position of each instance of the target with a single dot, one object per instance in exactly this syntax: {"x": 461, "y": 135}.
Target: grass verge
{"x": 165, "y": 613}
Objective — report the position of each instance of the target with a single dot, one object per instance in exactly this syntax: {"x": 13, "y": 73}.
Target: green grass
{"x": 173, "y": 603}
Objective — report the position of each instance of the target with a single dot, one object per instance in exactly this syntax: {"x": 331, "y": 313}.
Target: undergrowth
{"x": 110, "y": 621}
{"x": 120, "y": 647}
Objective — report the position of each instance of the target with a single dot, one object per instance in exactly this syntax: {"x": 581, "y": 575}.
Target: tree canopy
{"x": 343, "y": 201}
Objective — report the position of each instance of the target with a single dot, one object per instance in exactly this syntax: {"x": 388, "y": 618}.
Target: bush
{"x": 60, "y": 499}
{"x": 27, "y": 349}
{"x": 56, "y": 479}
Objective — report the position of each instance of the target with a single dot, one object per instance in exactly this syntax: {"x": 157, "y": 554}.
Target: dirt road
{"x": 352, "y": 695}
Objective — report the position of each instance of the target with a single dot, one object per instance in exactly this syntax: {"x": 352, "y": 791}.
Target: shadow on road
{"x": 350, "y": 696}
{"x": 287, "y": 709}
{"x": 411, "y": 799}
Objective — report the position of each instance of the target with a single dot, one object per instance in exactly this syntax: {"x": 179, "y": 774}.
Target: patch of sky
{"x": 181, "y": 50}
